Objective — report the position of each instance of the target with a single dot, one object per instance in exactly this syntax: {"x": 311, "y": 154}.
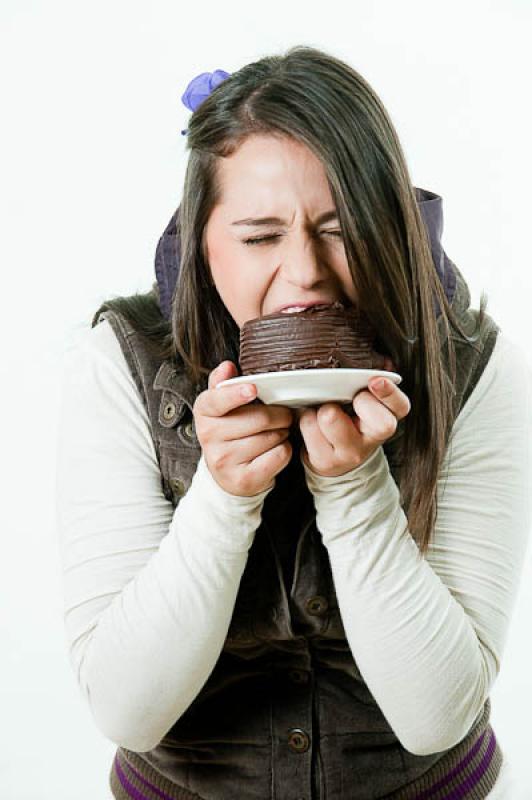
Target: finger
{"x": 255, "y": 419}
{"x": 338, "y": 428}
{"x": 312, "y": 434}
{"x": 217, "y": 400}
{"x": 391, "y": 396}
{"x": 224, "y": 371}
{"x": 376, "y": 423}
{"x": 228, "y": 401}
{"x": 245, "y": 450}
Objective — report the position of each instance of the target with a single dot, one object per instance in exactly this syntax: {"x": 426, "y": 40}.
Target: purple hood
{"x": 168, "y": 253}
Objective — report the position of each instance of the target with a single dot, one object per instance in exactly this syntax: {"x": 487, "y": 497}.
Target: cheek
{"x": 241, "y": 287}
{"x": 351, "y": 291}
{"x": 346, "y": 280}
{"x": 225, "y": 268}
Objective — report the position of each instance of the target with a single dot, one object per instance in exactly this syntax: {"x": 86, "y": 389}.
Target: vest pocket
{"x": 178, "y": 465}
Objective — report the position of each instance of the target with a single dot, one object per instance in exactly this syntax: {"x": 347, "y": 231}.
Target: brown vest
{"x": 285, "y": 713}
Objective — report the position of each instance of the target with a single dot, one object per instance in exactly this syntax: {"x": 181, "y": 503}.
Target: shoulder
{"x": 98, "y": 345}
{"x": 95, "y": 363}
{"x": 505, "y": 384}
{"x": 101, "y": 409}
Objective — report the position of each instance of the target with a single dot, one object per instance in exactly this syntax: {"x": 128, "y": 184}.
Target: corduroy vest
{"x": 285, "y": 713}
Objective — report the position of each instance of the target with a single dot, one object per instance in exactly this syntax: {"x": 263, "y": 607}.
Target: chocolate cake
{"x": 324, "y": 336}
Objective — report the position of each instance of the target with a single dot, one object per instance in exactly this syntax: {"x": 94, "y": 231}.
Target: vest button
{"x": 189, "y": 430}
{"x": 317, "y": 605}
{"x": 298, "y": 676}
{"x": 169, "y": 410}
{"x": 177, "y": 485}
{"x": 298, "y": 741}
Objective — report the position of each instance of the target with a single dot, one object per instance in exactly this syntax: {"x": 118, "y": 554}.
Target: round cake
{"x": 326, "y": 336}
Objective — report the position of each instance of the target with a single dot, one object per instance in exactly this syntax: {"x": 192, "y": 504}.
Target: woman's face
{"x": 304, "y": 260}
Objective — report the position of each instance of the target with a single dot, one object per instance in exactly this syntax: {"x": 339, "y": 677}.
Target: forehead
{"x": 272, "y": 169}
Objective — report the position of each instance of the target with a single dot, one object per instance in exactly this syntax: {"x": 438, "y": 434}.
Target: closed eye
{"x": 260, "y": 239}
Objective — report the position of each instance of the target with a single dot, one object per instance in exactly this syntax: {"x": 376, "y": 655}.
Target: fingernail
{"x": 247, "y": 391}
{"x": 378, "y": 384}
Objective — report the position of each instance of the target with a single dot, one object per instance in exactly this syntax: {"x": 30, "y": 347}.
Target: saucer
{"x": 299, "y": 388}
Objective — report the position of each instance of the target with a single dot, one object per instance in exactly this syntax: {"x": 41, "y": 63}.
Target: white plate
{"x": 299, "y": 388}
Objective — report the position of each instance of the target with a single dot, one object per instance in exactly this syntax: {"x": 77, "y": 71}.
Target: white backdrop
{"x": 91, "y": 165}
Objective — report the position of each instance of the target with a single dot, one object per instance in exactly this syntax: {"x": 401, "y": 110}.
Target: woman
{"x": 308, "y": 605}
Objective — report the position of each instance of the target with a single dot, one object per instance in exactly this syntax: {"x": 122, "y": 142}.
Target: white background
{"x": 91, "y": 166}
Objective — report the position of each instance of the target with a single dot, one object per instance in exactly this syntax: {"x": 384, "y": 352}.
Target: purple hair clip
{"x": 200, "y": 88}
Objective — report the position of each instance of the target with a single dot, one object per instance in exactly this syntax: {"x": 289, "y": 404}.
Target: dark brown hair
{"x": 322, "y": 102}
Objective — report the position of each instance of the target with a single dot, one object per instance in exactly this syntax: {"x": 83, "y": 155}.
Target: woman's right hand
{"x": 244, "y": 445}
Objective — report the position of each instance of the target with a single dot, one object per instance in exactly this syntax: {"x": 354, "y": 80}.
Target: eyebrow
{"x": 326, "y": 217}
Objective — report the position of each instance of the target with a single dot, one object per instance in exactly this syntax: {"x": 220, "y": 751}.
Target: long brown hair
{"x": 322, "y": 102}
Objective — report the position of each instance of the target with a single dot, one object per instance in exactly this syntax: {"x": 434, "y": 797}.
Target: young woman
{"x": 270, "y": 604}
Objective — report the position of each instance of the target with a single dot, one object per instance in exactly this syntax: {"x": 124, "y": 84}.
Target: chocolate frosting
{"x": 325, "y": 336}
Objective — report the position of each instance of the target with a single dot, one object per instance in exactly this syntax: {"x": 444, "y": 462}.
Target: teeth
{"x": 293, "y": 309}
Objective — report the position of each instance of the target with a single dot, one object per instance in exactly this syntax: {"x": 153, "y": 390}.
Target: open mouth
{"x": 297, "y": 309}
{"x": 294, "y": 309}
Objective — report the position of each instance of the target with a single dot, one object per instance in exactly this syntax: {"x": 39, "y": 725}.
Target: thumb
{"x": 224, "y": 370}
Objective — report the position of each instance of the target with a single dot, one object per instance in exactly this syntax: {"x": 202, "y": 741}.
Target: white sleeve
{"x": 428, "y": 634}
{"x": 148, "y": 592}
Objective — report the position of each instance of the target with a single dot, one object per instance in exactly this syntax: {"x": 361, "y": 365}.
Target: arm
{"x": 148, "y": 592}
{"x": 428, "y": 634}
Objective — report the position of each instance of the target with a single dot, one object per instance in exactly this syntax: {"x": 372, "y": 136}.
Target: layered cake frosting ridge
{"x": 325, "y": 336}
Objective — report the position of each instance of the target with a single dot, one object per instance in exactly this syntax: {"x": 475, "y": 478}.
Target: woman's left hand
{"x": 335, "y": 443}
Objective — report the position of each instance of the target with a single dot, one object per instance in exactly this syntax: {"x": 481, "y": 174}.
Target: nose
{"x": 301, "y": 262}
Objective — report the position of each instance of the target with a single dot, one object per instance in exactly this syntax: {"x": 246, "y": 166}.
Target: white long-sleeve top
{"x": 149, "y": 591}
